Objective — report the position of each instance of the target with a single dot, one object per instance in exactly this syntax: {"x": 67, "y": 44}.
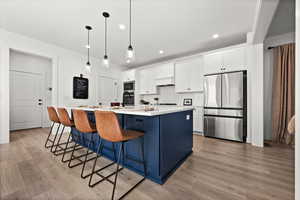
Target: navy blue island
{"x": 168, "y": 138}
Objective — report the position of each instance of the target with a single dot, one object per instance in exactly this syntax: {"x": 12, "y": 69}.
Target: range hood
{"x": 165, "y": 81}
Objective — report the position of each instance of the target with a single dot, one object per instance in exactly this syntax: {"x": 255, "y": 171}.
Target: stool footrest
{"x": 104, "y": 177}
{"x": 132, "y": 188}
{"x": 76, "y": 157}
{"x": 60, "y": 153}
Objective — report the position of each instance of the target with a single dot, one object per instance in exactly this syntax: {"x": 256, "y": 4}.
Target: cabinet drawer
{"x": 135, "y": 123}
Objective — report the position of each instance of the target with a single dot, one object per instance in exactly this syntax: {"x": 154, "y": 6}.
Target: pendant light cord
{"x": 105, "y": 36}
{"x": 130, "y": 22}
{"x": 88, "y": 46}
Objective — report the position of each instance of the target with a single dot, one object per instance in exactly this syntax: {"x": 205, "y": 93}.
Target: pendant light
{"x": 88, "y": 64}
{"x": 130, "y": 52}
{"x": 105, "y": 58}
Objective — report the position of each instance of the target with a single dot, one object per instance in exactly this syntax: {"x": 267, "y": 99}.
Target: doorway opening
{"x": 30, "y": 90}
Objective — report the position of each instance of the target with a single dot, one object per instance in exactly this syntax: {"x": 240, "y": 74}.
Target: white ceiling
{"x": 284, "y": 18}
{"x": 177, "y": 27}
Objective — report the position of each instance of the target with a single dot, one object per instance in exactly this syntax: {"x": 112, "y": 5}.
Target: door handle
{"x": 40, "y": 104}
{"x": 40, "y": 100}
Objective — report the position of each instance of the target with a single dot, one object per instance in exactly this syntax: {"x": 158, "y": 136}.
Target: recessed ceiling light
{"x": 161, "y": 51}
{"x": 128, "y": 61}
{"x": 122, "y": 26}
{"x": 215, "y": 36}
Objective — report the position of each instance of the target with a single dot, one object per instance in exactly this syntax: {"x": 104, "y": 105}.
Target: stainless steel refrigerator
{"x": 225, "y": 106}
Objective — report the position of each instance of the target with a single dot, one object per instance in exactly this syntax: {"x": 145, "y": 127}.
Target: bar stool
{"x": 83, "y": 125}
{"x": 55, "y": 120}
{"x": 109, "y": 129}
{"x": 66, "y": 122}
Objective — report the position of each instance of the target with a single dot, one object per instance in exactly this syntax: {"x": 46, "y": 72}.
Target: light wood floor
{"x": 217, "y": 170}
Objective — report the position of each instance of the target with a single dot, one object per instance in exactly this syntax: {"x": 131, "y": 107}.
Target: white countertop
{"x": 138, "y": 110}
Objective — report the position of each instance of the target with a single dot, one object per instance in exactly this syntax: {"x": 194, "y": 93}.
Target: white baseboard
{"x": 198, "y": 133}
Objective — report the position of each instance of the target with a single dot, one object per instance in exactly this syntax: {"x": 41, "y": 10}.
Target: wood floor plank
{"x": 217, "y": 170}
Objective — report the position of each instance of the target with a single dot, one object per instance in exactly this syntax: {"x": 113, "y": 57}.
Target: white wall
{"x": 4, "y": 93}
{"x": 255, "y": 95}
{"x": 65, "y": 65}
{"x": 168, "y": 95}
{"x": 24, "y": 62}
{"x": 268, "y": 77}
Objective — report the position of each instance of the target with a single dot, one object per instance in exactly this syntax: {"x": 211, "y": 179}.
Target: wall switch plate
{"x": 188, "y": 117}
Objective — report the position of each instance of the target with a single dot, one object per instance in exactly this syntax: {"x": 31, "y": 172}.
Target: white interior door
{"x": 26, "y": 107}
{"x": 107, "y": 90}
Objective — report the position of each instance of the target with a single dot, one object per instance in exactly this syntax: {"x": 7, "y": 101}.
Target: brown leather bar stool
{"x": 66, "y": 122}
{"x": 55, "y": 120}
{"x": 109, "y": 129}
{"x": 83, "y": 125}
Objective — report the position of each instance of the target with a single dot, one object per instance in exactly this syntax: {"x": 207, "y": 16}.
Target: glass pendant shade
{"x": 105, "y": 61}
{"x": 88, "y": 68}
{"x": 130, "y": 53}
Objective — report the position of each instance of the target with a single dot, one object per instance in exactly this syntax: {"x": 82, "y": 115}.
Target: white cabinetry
{"x": 164, "y": 74}
{"x": 234, "y": 60}
{"x": 189, "y": 75}
{"x": 198, "y": 119}
{"x": 225, "y": 61}
{"x": 213, "y": 63}
{"x": 147, "y": 81}
{"x": 128, "y": 75}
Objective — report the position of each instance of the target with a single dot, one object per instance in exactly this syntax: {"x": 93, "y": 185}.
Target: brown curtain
{"x": 283, "y": 105}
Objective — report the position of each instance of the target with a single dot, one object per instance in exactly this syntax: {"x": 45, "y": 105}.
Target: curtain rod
{"x": 272, "y": 47}
{"x": 269, "y": 48}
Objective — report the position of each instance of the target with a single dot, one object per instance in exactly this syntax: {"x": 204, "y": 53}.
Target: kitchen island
{"x": 168, "y": 138}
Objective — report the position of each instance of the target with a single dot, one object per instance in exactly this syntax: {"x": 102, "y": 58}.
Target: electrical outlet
{"x": 188, "y": 117}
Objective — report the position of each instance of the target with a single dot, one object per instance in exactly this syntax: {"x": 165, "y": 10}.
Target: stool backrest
{"x": 108, "y": 126}
{"x": 52, "y": 114}
{"x": 64, "y": 117}
{"x": 82, "y": 122}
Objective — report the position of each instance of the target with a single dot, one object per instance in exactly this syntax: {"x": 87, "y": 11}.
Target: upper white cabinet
{"x": 147, "y": 81}
{"x": 164, "y": 74}
{"x": 225, "y": 61}
{"x": 234, "y": 60}
{"x": 213, "y": 63}
{"x": 189, "y": 75}
{"x": 128, "y": 75}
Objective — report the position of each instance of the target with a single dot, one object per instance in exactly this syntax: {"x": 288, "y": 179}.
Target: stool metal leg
{"x": 95, "y": 162}
{"x": 77, "y": 157}
{"x": 85, "y": 159}
{"x": 145, "y": 170}
{"x": 58, "y": 142}
{"x": 118, "y": 163}
{"x": 67, "y": 147}
{"x": 103, "y": 178}
{"x": 48, "y": 138}
{"x": 67, "y": 144}
{"x": 55, "y": 137}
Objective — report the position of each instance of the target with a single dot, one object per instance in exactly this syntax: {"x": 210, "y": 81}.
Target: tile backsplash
{"x": 167, "y": 95}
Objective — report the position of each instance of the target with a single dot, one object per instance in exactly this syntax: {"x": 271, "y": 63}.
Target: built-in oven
{"x": 128, "y": 93}
{"x": 128, "y": 98}
{"x": 129, "y": 86}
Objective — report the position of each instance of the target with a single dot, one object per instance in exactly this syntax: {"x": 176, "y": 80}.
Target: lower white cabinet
{"x": 198, "y": 120}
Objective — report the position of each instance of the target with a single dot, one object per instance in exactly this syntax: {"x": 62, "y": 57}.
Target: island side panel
{"x": 176, "y": 140}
